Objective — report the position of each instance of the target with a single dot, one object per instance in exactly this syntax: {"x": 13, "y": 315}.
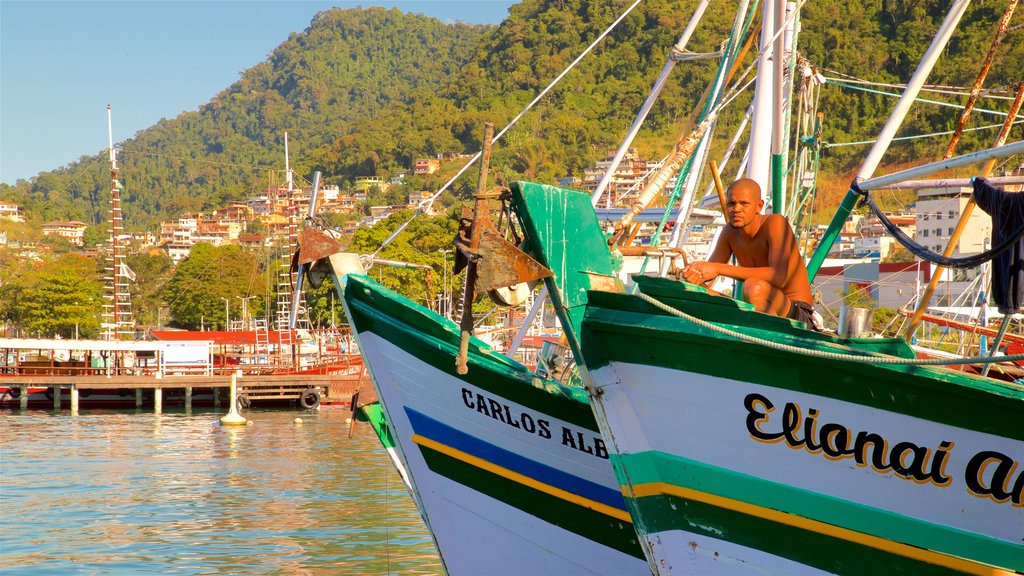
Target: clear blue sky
{"x": 62, "y": 62}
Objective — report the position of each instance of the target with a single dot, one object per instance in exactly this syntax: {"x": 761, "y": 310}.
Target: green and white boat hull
{"x": 908, "y": 469}
{"x": 509, "y": 471}
{"x": 373, "y": 414}
{"x": 738, "y": 458}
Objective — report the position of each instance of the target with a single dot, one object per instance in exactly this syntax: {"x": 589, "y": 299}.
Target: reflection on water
{"x": 138, "y": 493}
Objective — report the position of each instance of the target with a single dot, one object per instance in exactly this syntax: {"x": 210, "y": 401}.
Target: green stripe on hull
{"x": 661, "y": 467}
{"x": 393, "y": 318}
{"x": 572, "y": 517}
{"x": 374, "y": 414}
{"x": 665, "y": 513}
{"x": 656, "y": 339}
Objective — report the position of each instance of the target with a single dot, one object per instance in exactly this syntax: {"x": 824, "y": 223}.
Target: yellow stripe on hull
{"x": 898, "y": 548}
{"x": 605, "y": 509}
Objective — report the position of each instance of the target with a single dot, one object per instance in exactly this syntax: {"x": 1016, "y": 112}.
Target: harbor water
{"x": 108, "y": 492}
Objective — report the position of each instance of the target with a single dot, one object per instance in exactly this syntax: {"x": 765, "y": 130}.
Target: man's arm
{"x": 696, "y": 273}
{"x": 776, "y": 271}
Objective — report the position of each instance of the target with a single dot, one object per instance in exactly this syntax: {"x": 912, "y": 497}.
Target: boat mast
{"x": 761, "y": 125}
{"x": 118, "y": 312}
{"x": 885, "y": 137}
{"x": 677, "y": 51}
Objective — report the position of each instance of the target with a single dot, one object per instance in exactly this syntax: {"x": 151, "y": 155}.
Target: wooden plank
{"x": 149, "y": 382}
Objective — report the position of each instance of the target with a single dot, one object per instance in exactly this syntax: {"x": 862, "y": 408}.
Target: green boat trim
{"x": 656, "y": 474}
{"x": 589, "y": 519}
{"x": 373, "y": 414}
{"x": 674, "y": 343}
{"x": 437, "y": 342}
{"x": 788, "y": 536}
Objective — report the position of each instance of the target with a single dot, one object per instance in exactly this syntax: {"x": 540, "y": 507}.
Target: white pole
{"x": 958, "y": 162}
{"x": 287, "y": 166}
{"x": 110, "y": 137}
{"x": 538, "y": 303}
{"x": 761, "y": 125}
{"x": 659, "y": 84}
{"x": 702, "y": 151}
{"x": 233, "y": 418}
{"x": 885, "y": 137}
{"x": 913, "y": 87}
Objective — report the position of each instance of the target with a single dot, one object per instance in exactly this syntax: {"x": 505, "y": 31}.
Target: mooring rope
{"x": 862, "y": 359}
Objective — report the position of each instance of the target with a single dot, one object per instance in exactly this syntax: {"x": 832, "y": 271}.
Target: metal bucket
{"x": 855, "y": 322}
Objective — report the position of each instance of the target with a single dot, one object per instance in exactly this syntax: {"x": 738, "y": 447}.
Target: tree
{"x": 196, "y": 292}
{"x": 899, "y": 254}
{"x": 98, "y": 234}
{"x": 152, "y": 270}
{"x": 63, "y": 298}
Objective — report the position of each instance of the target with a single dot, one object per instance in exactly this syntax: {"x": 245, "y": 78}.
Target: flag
{"x": 127, "y": 272}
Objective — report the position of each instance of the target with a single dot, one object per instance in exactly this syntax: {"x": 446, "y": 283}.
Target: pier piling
{"x": 138, "y": 398}
{"x": 188, "y": 398}
{"x": 23, "y": 399}
{"x": 56, "y": 397}
{"x": 74, "y": 399}
{"x": 158, "y": 400}
{"x": 233, "y": 418}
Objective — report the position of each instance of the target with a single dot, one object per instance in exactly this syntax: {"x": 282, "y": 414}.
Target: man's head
{"x": 743, "y": 202}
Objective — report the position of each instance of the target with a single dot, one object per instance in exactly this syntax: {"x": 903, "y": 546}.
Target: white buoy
{"x": 348, "y": 420}
{"x": 298, "y": 421}
{"x": 233, "y": 418}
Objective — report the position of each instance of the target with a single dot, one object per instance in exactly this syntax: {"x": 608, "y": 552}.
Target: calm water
{"x": 138, "y": 493}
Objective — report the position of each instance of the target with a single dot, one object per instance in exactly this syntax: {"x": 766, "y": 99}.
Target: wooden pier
{"x": 32, "y": 366}
{"x": 333, "y": 388}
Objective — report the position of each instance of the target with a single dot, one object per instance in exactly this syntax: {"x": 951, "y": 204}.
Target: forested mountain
{"x": 366, "y": 91}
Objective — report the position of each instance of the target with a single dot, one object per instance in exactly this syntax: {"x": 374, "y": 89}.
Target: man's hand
{"x": 700, "y": 272}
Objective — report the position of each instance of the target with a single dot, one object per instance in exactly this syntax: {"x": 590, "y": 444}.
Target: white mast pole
{"x": 110, "y": 137}
{"x": 913, "y": 87}
{"x": 761, "y": 125}
{"x": 885, "y": 137}
{"x": 659, "y": 84}
{"x": 698, "y": 158}
{"x": 287, "y": 166}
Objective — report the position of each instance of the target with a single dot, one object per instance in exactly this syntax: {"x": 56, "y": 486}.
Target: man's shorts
{"x": 802, "y": 312}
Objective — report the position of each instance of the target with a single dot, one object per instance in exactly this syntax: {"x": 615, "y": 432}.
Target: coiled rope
{"x": 862, "y": 359}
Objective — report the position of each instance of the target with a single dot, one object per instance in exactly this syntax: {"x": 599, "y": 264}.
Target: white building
{"x": 11, "y": 211}
{"x": 939, "y": 210}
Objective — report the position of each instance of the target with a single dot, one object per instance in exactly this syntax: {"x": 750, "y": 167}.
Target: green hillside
{"x": 366, "y": 91}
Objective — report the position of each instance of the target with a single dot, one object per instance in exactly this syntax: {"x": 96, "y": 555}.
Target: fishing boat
{"x": 508, "y": 469}
{"x": 506, "y": 466}
{"x": 748, "y": 443}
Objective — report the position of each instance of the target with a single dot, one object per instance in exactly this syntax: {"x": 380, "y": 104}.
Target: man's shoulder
{"x": 776, "y": 224}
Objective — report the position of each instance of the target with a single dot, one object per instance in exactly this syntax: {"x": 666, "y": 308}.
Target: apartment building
{"x": 73, "y": 231}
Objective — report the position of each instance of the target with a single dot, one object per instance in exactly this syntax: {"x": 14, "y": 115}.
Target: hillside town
{"x": 864, "y": 256}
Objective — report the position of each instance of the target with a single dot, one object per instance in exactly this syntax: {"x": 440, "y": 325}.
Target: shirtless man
{"x": 773, "y": 273}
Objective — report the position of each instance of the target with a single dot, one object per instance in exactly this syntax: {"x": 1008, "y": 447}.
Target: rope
{"x": 923, "y": 253}
{"x": 937, "y": 88}
{"x": 916, "y": 136}
{"x": 925, "y": 100}
{"x": 865, "y": 359}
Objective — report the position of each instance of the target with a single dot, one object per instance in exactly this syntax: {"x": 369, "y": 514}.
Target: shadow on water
{"x": 138, "y": 493}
